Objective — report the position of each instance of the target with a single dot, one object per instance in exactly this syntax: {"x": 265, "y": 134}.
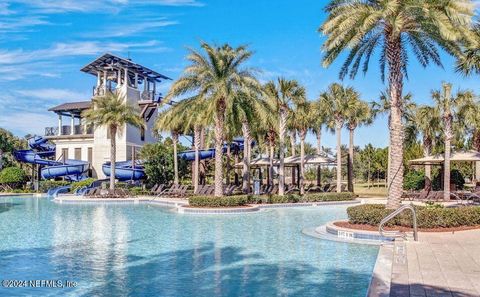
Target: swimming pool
{"x": 145, "y": 250}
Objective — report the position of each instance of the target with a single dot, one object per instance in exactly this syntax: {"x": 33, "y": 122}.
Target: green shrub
{"x": 211, "y": 201}
{"x": 12, "y": 175}
{"x": 82, "y": 183}
{"x": 414, "y": 180}
{"x": 320, "y": 197}
{"x": 427, "y": 217}
{"x": 44, "y": 185}
{"x": 288, "y": 198}
{"x": 137, "y": 191}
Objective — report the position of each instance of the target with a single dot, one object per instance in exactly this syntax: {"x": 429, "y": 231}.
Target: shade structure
{"x": 259, "y": 162}
{"x": 310, "y": 159}
{"x": 459, "y": 156}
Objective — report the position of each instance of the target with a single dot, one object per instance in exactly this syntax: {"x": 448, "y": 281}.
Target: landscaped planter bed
{"x": 428, "y": 217}
{"x": 344, "y": 224}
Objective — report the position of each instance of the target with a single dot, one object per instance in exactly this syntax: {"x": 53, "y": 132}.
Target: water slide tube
{"x": 125, "y": 171}
{"x": 189, "y": 155}
{"x": 39, "y": 153}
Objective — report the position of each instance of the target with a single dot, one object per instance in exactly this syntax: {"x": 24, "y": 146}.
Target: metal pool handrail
{"x": 398, "y": 233}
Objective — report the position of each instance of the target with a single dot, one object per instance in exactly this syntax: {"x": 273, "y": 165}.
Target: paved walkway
{"x": 439, "y": 264}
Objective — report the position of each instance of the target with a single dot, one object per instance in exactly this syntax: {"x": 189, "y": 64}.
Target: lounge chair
{"x": 166, "y": 192}
{"x": 326, "y": 187}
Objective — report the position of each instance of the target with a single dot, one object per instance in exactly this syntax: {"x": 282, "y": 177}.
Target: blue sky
{"x": 44, "y": 43}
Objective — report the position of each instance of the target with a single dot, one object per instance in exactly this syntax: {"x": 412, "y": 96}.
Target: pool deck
{"x": 439, "y": 264}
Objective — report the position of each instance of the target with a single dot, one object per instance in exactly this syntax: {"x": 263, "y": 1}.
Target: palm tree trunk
{"x": 270, "y": 167}
{"x": 303, "y": 134}
{"x": 202, "y": 165}
{"x": 175, "y": 157}
{"x": 395, "y": 81}
{"x": 338, "y": 128}
{"x": 446, "y": 171}
{"x": 246, "y": 157}
{"x": 281, "y": 138}
{"x": 428, "y": 168}
{"x": 113, "y": 152}
{"x": 229, "y": 166}
{"x": 293, "y": 140}
{"x": 196, "y": 165}
{"x": 219, "y": 126}
{"x": 318, "y": 134}
{"x": 350, "y": 161}
{"x": 476, "y": 145}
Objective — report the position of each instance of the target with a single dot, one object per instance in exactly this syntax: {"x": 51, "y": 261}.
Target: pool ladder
{"x": 399, "y": 233}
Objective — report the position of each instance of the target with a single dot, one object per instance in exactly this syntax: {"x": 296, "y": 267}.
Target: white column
{"x": 126, "y": 76}
{"x": 119, "y": 77}
{"x": 104, "y": 82}
{"x": 84, "y": 126}
{"x": 136, "y": 80}
{"x": 98, "y": 79}
{"x": 59, "y": 124}
{"x": 72, "y": 124}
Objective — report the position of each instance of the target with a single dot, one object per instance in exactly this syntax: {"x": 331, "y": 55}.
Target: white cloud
{"x": 133, "y": 28}
{"x": 23, "y": 123}
{"x": 54, "y": 94}
{"x": 65, "y": 6}
{"x": 5, "y": 9}
{"x": 18, "y": 64}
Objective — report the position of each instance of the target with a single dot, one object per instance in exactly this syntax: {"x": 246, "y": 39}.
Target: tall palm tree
{"x": 425, "y": 121}
{"x": 448, "y": 107}
{"x": 280, "y": 95}
{"x": 183, "y": 118}
{"x": 113, "y": 112}
{"x": 468, "y": 62}
{"x": 247, "y": 110}
{"x": 318, "y": 122}
{"x": 382, "y": 106}
{"x": 393, "y": 26}
{"x": 335, "y": 102}
{"x": 358, "y": 114}
{"x": 216, "y": 75}
{"x": 303, "y": 122}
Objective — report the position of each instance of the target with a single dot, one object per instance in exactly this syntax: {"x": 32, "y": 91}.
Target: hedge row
{"x": 211, "y": 201}
{"x": 427, "y": 216}
{"x": 294, "y": 198}
{"x": 230, "y": 201}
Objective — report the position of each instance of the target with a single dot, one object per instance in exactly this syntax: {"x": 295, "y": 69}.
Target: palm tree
{"x": 280, "y": 95}
{"x": 448, "y": 107}
{"x": 183, "y": 118}
{"x": 216, "y": 76}
{"x": 247, "y": 110}
{"x": 335, "y": 103}
{"x": 113, "y": 112}
{"x": 469, "y": 60}
{"x": 392, "y": 26}
{"x": 358, "y": 114}
{"x": 382, "y": 106}
{"x": 425, "y": 121}
{"x": 303, "y": 122}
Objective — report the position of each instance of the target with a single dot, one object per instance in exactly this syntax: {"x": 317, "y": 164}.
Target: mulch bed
{"x": 344, "y": 224}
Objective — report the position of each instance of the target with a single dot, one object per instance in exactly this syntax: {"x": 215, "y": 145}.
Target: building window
{"x": 64, "y": 154}
{"x": 90, "y": 155}
{"x": 78, "y": 153}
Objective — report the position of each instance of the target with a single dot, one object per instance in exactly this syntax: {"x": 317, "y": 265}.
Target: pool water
{"x": 146, "y": 250}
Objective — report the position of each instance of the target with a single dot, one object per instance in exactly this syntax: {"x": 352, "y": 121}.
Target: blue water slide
{"x": 125, "y": 171}
{"x": 53, "y": 192}
{"x": 72, "y": 169}
{"x": 189, "y": 155}
{"x": 41, "y": 153}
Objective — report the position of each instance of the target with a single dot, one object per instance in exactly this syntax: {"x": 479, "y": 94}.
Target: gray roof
{"x": 108, "y": 60}
{"x": 75, "y": 107}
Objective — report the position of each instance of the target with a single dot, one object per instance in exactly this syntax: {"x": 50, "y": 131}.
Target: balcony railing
{"x": 66, "y": 130}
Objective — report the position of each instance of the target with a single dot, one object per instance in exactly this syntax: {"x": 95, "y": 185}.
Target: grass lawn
{"x": 375, "y": 190}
